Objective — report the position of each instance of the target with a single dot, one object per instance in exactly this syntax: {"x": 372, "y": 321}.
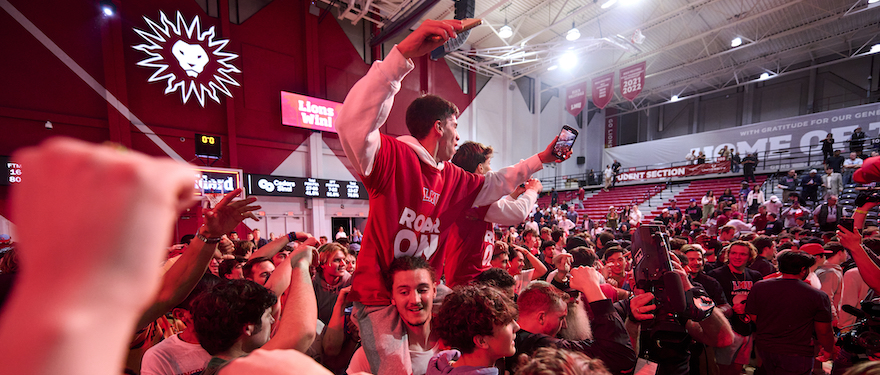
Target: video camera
{"x": 664, "y": 335}
{"x": 864, "y": 337}
{"x": 653, "y": 273}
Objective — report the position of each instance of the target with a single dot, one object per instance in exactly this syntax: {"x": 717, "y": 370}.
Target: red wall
{"x": 282, "y": 47}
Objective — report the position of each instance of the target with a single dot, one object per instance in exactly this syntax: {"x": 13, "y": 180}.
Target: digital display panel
{"x": 307, "y": 112}
{"x": 304, "y": 187}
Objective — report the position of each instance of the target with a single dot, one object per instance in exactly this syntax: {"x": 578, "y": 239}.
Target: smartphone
{"x": 847, "y": 222}
{"x": 564, "y": 142}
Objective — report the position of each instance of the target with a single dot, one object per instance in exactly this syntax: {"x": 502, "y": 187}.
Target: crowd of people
{"x": 456, "y": 271}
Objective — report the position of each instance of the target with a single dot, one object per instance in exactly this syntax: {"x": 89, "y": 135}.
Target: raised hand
{"x": 547, "y": 155}
{"x": 227, "y": 214}
{"x": 534, "y": 184}
{"x": 430, "y": 35}
{"x": 641, "y": 306}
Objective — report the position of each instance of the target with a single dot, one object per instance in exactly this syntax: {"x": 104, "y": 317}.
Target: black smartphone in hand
{"x": 847, "y": 222}
{"x": 564, "y": 141}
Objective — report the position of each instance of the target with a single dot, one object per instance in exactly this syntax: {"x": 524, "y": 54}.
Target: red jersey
{"x": 469, "y": 246}
{"x": 411, "y": 205}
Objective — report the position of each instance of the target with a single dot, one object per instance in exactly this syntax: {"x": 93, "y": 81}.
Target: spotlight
{"x": 572, "y": 34}
{"x": 108, "y": 8}
{"x": 872, "y": 1}
{"x": 674, "y": 98}
{"x": 505, "y": 31}
{"x": 552, "y": 68}
{"x": 764, "y": 76}
{"x": 736, "y": 42}
{"x": 875, "y": 48}
{"x": 568, "y": 60}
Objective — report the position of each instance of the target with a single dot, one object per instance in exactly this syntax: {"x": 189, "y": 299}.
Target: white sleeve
{"x": 509, "y": 211}
{"x": 366, "y": 108}
{"x": 505, "y": 180}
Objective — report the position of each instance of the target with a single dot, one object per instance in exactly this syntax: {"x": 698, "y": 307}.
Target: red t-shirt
{"x": 411, "y": 205}
{"x": 469, "y": 246}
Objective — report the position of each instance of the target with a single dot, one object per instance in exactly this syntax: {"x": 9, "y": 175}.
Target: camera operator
{"x": 681, "y": 313}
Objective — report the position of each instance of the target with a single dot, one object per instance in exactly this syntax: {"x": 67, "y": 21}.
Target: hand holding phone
{"x": 564, "y": 141}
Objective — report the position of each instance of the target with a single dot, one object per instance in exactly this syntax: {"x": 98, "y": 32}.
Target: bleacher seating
{"x": 697, "y": 189}
{"x": 564, "y": 196}
{"x": 597, "y": 205}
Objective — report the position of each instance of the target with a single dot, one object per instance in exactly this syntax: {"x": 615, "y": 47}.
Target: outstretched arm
{"x": 280, "y": 279}
{"x": 505, "y": 180}
{"x": 296, "y": 328}
{"x": 182, "y": 277}
{"x": 101, "y": 289}
{"x": 509, "y": 211}
{"x": 368, "y": 103}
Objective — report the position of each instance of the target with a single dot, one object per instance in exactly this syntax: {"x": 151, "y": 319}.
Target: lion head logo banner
{"x": 187, "y": 58}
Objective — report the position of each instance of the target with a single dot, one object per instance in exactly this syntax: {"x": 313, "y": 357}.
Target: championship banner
{"x": 576, "y": 98}
{"x": 793, "y": 137}
{"x": 683, "y": 171}
{"x": 610, "y": 127}
{"x": 632, "y": 79}
{"x": 602, "y": 90}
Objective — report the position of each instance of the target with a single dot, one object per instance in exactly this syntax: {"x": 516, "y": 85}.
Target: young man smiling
{"x": 413, "y": 288}
{"x": 736, "y": 280}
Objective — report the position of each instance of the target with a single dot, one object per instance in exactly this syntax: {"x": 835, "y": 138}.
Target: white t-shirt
{"x": 419, "y": 361}
{"x": 849, "y": 161}
{"x": 174, "y": 356}
{"x": 340, "y": 235}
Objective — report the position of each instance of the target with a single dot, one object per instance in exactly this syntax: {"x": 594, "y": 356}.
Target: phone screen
{"x": 564, "y": 142}
{"x": 847, "y": 222}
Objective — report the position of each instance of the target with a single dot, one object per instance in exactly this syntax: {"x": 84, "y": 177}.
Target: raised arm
{"x": 502, "y": 182}
{"x": 610, "y": 341}
{"x": 509, "y": 211}
{"x": 334, "y": 332}
{"x": 713, "y": 331}
{"x": 280, "y": 279}
{"x": 540, "y": 268}
{"x": 100, "y": 289}
{"x": 270, "y": 249}
{"x": 368, "y": 103}
{"x": 182, "y": 277}
{"x": 296, "y": 328}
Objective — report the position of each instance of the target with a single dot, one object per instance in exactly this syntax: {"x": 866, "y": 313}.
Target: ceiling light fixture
{"x": 572, "y": 34}
{"x": 568, "y": 60}
{"x": 505, "y": 31}
{"x": 674, "y": 98}
{"x": 875, "y": 48}
{"x": 872, "y": 1}
{"x": 608, "y": 4}
{"x": 736, "y": 42}
{"x": 552, "y": 68}
{"x": 764, "y": 76}
{"x": 107, "y": 8}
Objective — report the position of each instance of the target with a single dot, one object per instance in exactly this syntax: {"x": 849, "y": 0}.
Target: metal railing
{"x": 768, "y": 162}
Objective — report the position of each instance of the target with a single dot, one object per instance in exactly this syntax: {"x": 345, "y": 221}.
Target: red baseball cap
{"x": 814, "y": 249}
